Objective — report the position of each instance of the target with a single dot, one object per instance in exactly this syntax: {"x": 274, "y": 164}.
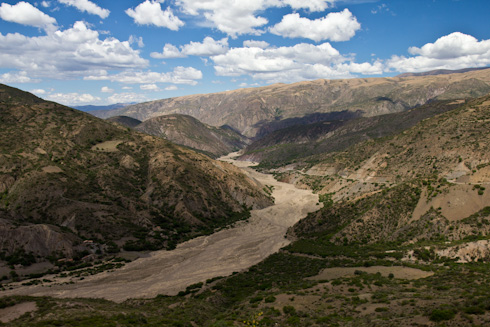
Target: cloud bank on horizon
{"x": 100, "y": 52}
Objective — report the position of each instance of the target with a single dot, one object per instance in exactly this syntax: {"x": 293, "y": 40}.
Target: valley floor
{"x": 220, "y": 254}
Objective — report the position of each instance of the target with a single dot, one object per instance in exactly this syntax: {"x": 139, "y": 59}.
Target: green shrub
{"x": 270, "y": 299}
{"x": 438, "y": 315}
{"x": 289, "y": 310}
{"x": 256, "y": 299}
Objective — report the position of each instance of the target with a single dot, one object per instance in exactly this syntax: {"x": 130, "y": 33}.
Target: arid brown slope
{"x": 247, "y": 110}
{"x": 188, "y": 131}
{"x": 66, "y": 176}
{"x": 426, "y": 183}
{"x": 291, "y": 144}
{"x": 454, "y": 145}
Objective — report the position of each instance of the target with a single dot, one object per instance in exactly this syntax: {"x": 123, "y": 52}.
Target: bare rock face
{"x": 248, "y": 110}
{"x": 40, "y": 239}
{"x": 468, "y": 252}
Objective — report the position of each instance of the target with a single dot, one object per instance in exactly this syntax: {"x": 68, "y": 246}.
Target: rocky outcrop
{"x": 40, "y": 239}
{"x": 467, "y": 252}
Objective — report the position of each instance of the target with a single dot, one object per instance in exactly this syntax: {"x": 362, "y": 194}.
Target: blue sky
{"x": 80, "y": 52}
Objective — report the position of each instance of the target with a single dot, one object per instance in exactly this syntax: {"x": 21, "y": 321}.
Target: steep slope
{"x": 436, "y": 171}
{"x": 247, "y": 110}
{"x": 452, "y": 145}
{"x": 188, "y": 131}
{"x": 289, "y": 144}
{"x": 66, "y": 176}
{"x": 125, "y": 121}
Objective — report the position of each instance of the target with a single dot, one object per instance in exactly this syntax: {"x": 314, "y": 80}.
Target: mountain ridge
{"x": 441, "y": 72}
{"x": 244, "y": 108}
{"x": 190, "y": 132}
{"x": 290, "y": 144}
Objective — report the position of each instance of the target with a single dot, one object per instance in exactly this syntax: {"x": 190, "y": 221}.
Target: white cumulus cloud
{"x": 137, "y": 40}
{"x": 127, "y": 97}
{"x": 26, "y": 14}
{"x": 235, "y": 17}
{"x": 311, "y": 5}
{"x": 208, "y": 47}
{"x": 336, "y": 26}
{"x": 180, "y": 75}
{"x": 169, "y": 51}
{"x": 255, "y": 44}
{"x": 291, "y": 64}
{"x": 453, "y": 51}
{"x": 240, "y": 61}
{"x": 149, "y": 87}
{"x": 150, "y": 13}
{"x": 38, "y": 91}
{"x": 17, "y": 77}
{"x": 70, "y": 53}
{"x": 106, "y": 89}
{"x": 72, "y": 98}
{"x": 87, "y": 6}
{"x": 454, "y": 45}
{"x": 229, "y": 16}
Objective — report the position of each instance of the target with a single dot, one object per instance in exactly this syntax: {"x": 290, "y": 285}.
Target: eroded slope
{"x": 66, "y": 177}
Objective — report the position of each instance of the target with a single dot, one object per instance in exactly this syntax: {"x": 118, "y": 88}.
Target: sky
{"x": 81, "y": 52}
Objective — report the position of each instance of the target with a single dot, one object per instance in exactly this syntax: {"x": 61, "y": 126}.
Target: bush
{"x": 442, "y": 314}
{"x": 289, "y": 310}
{"x": 256, "y": 299}
{"x": 474, "y": 310}
{"x": 270, "y": 299}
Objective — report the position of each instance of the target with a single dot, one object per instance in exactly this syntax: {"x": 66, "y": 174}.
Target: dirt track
{"x": 220, "y": 254}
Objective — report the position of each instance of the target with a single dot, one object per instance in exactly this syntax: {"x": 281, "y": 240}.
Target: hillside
{"x": 452, "y": 145}
{"x": 66, "y": 177}
{"x": 436, "y": 170}
{"x": 290, "y": 144}
{"x": 188, "y": 131}
{"x": 125, "y": 121}
{"x": 251, "y": 110}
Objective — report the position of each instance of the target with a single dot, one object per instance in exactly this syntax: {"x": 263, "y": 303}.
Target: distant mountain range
{"x": 441, "y": 72}
{"x": 102, "y": 108}
{"x": 253, "y": 111}
{"x": 291, "y": 144}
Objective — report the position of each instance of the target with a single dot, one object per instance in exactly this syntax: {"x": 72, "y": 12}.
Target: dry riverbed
{"x": 219, "y": 254}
